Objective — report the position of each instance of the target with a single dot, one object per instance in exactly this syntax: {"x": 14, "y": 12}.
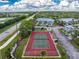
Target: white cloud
{"x": 47, "y": 5}
{"x": 3, "y": 0}
{"x": 4, "y": 7}
{"x": 64, "y": 3}
{"x": 36, "y": 3}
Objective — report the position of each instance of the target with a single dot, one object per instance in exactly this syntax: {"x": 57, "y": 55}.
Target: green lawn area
{"x": 6, "y": 19}
{"x": 21, "y": 48}
{"x": 59, "y": 47}
{"x": 62, "y": 51}
{"x": 3, "y": 52}
{"x": 6, "y": 51}
{"x": 62, "y": 31}
{"x": 3, "y": 41}
{"x": 42, "y": 30}
{"x": 7, "y": 27}
{"x": 75, "y": 43}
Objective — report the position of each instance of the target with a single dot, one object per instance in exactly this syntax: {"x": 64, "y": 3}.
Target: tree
{"x": 25, "y": 28}
{"x": 62, "y": 23}
{"x": 76, "y": 33}
{"x": 7, "y": 53}
{"x": 43, "y": 53}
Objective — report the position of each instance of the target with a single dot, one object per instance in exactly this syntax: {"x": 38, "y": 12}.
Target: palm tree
{"x": 43, "y": 53}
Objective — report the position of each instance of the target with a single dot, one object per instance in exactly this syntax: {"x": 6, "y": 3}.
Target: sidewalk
{"x": 10, "y": 40}
{"x": 12, "y": 29}
{"x": 69, "y": 48}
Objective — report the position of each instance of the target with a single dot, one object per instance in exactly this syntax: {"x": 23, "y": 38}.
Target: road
{"x": 9, "y": 40}
{"x": 12, "y": 29}
{"x": 9, "y": 31}
{"x": 69, "y": 48}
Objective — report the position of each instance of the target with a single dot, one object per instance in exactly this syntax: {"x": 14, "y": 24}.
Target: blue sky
{"x": 57, "y": 1}
{"x": 39, "y": 5}
{"x": 11, "y": 2}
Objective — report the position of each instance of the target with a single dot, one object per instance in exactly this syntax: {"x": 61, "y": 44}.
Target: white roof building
{"x": 66, "y": 19}
{"x": 68, "y": 28}
{"x": 45, "y": 21}
{"x": 76, "y": 19}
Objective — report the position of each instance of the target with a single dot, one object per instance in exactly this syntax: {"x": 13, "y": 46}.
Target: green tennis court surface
{"x": 40, "y": 44}
{"x": 40, "y": 41}
{"x": 40, "y": 37}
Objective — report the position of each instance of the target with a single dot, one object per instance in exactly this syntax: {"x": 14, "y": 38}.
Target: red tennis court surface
{"x": 33, "y": 49}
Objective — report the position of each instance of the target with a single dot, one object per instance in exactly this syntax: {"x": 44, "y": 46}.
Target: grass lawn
{"x": 56, "y": 24}
{"x": 60, "y": 48}
{"x": 61, "y": 51}
{"x": 6, "y": 19}
{"x": 20, "y": 49}
{"x": 40, "y": 30}
{"x": 7, "y": 27}
{"x": 0, "y": 55}
{"x": 75, "y": 43}
{"x": 62, "y": 31}
{"x": 4, "y": 51}
{"x": 3, "y": 41}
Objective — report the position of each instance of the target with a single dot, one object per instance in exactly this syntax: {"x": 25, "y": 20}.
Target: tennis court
{"x": 40, "y": 41}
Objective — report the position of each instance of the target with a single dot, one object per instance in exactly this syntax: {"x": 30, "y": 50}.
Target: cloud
{"x": 64, "y": 3}
{"x": 3, "y": 0}
{"x": 33, "y": 3}
{"x": 4, "y": 7}
{"x": 42, "y": 5}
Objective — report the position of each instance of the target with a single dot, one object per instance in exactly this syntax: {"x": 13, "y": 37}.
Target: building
{"x": 69, "y": 28}
{"x": 45, "y": 21}
{"x": 76, "y": 21}
{"x": 67, "y": 21}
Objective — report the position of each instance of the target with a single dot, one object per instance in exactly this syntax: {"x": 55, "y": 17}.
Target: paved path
{"x": 8, "y": 32}
{"x": 69, "y": 48}
{"x": 12, "y": 29}
{"x": 10, "y": 40}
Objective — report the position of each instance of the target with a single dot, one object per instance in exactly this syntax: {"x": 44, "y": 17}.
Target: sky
{"x": 39, "y": 5}
{"x": 11, "y": 2}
